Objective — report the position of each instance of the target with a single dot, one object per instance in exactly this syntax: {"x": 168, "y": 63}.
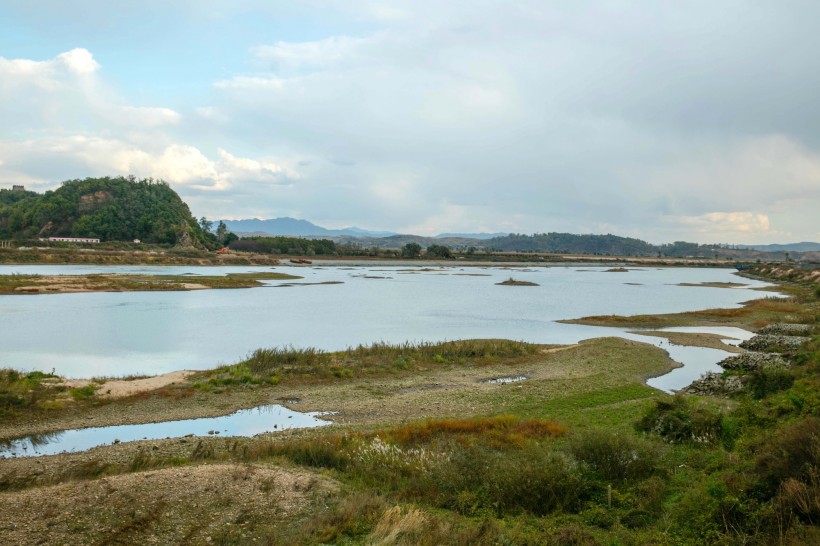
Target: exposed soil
{"x": 191, "y": 504}
{"x": 119, "y": 388}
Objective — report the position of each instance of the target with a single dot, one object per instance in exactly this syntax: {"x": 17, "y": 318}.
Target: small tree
{"x": 411, "y": 250}
{"x": 229, "y": 238}
{"x": 205, "y": 224}
{"x": 439, "y": 251}
{"x": 221, "y": 232}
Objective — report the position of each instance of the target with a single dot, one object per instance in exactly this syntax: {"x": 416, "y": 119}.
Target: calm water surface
{"x": 114, "y": 334}
{"x": 83, "y": 335}
{"x": 247, "y": 422}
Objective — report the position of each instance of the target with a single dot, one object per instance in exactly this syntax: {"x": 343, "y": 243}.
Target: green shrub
{"x": 613, "y": 456}
{"x": 83, "y": 393}
{"x": 676, "y": 420}
{"x": 599, "y": 516}
{"x": 535, "y": 480}
{"x": 23, "y": 391}
{"x": 765, "y": 381}
{"x": 793, "y": 453}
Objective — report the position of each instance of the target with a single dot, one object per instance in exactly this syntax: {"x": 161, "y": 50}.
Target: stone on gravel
{"x": 711, "y": 384}
{"x": 764, "y": 342}
{"x": 785, "y": 329}
{"x": 751, "y": 361}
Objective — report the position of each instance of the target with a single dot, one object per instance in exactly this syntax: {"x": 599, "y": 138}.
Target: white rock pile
{"x": 712, "y": 383}
{"x": 773, "y": 341}
{"x": 751, "y": 361}
{"x": 784, "y": 329}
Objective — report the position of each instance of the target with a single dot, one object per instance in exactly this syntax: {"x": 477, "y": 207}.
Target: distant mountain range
{"x": 793, "y": 247}
{"x": 293, "y": 227}
{"x": 481, "y": 236}
{"x": 562, "y": 243}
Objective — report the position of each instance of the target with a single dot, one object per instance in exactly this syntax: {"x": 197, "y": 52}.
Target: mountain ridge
{"x": 295, "y": 227}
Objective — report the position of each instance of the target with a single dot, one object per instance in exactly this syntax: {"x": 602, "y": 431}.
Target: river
{"x": 123, "y": 333}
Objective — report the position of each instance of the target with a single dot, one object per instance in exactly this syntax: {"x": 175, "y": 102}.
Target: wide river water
{"x": 122, "y": 333}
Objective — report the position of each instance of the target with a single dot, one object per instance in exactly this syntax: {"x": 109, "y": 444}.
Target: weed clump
{"x": 615, "y": 457}
{"x": 273, "y": 365}
{"x": 677, "y": 420}
{"x": 25, "y": 391}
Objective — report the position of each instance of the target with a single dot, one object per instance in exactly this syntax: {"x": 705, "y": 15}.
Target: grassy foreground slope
{"x": 427, "y": 452}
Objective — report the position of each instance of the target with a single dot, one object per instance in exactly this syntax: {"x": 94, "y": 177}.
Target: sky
{"x": 665, "y": 121}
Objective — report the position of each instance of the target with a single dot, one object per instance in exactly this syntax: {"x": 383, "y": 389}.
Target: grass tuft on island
{"x": 515, "y": 282}
{"x": 713, "y": 284}
{"x": 56, "y": 284}
{"x": 273, "y": 365}
{"x": 752, "y": 315}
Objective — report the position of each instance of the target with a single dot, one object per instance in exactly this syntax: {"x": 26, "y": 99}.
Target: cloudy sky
{"x": 694, "y": 120}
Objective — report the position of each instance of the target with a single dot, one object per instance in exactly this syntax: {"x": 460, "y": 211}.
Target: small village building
{"x": 73, "y": 240}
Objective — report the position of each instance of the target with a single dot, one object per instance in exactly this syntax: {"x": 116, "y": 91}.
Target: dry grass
{"x": 754, "y": 314}
{"x": 230, "y": 503}
{"x": 52, "y": 284}
{"x": 502, "y": 430}
{"x": 290, "y": 364}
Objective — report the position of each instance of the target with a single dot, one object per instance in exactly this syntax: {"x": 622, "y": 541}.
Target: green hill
{"x": 572, "y": 244}
{"x": 112, "y": 209}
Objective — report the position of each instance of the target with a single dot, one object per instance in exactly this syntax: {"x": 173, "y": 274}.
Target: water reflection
{"x": 247, "y": 422}
{"x": 148, "y": 333}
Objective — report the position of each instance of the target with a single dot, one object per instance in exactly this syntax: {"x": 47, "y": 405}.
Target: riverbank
{"x": 418, "y": 452}
{"x": 193, "y": 256}
{"x": 92, "y": 256}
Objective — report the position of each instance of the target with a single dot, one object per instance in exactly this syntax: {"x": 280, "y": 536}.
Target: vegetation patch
{"x": 276, "y": 364}
{"x": 44, "y": 284}
{"x": 713, "y": 284}
{"x": 27, "y": 392}
{"x": 515, "y": 282}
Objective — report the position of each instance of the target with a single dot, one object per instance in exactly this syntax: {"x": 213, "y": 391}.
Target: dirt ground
{"x": 120, "y": 388}
{"x": 190, "y": 504}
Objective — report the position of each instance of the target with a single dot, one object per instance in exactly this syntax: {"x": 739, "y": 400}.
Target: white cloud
{"x": 693, "y": 123}
{"x": 247, "y": 169}
{"x": 317, "y": 53}
{"x": 79, "y": 60}
{"x": 737, "y": 227}
{"x": 211, "y": 114}
{"x": 144, "y": 116}
{"x": 179, "y": 164}
{"x": 725, "y": 223}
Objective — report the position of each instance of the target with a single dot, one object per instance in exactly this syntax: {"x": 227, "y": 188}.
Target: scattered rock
{"x": 753, "y": 361}
{"x": 784, "y": 329}
{"x": 715, "y": 384}
{"x": 766, "y": 342}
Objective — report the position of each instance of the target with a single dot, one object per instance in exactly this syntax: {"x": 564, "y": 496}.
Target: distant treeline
{"x": 408, "y": 246}
{"x": 285, "y": 245}
{"x": 607, "y": 245}
{"x": 568, "y": 243}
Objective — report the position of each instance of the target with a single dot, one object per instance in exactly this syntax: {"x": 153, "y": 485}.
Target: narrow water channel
{"x": 248, "y": 422}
